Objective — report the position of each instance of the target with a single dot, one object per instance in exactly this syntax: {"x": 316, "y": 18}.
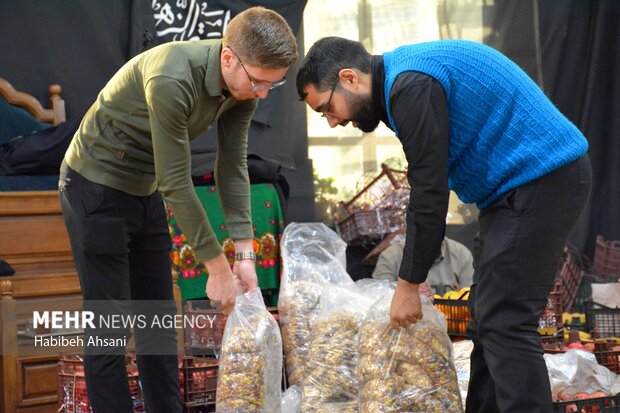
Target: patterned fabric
{"x": 504, "y": 130}
{"x": 268, "y": 227}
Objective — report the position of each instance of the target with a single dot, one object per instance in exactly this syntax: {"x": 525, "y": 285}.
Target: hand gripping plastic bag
{"x": 312, "y": 255}
{"x": 250, "y": 370}
{"x": 330, "y": 381}
{"x": 406, "y": 370}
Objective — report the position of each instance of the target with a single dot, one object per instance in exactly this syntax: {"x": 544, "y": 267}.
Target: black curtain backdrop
{"x": 80, "y": 44}
{"x": 77, "y": 44}
{"x": 571, "y": 48}
{"x": 582, "y": 76}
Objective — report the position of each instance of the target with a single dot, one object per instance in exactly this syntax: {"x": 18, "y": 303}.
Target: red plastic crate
{"x": 603, "y": 350}
{"x": 606, "y": 259}
{"x": 607, "y": 356}
{"x": 198, "y": 380}
{"x": 610, "y": 404}
{"x": 204, "y": 336}
{"x": 72, "y": 396}
{"x": 552, "y": 315}
{"x": 570, "y": 276}
{"x": 458, "y": 315}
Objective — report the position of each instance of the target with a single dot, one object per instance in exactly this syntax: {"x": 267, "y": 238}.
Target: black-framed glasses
{"x": 257, "y": 87}
{"x": 328, "y": 105}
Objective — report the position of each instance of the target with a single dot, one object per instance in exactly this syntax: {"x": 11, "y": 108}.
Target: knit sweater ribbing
{"x": 504, "y": 132}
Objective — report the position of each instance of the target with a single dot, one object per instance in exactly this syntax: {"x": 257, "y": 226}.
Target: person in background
{"x": 469, "y": 119}
{"x": 452, "y": 269}
{"x": 132, "y": 148}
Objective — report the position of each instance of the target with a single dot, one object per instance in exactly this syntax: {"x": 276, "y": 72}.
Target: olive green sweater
{"x": 136, "y": 136}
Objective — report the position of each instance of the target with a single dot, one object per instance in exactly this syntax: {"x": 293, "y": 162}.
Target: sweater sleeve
{"x": 231, "y": 168}
{"x": 169, "y": 107}
{"x": 420, "y": 112}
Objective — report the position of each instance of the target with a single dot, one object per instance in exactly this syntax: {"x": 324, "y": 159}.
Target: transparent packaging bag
{"x": 312, "y": 256}
{"x": 406, "y": 370}
{"x": 578, "y": 371}
{"x": 250, "y": 368}
{"x": 291, "y": 400}
{"x": 461, "y": 352}
{"x": 330, "y": 381}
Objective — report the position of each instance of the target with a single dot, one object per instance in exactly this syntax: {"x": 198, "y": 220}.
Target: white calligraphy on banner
{"x": 189, "y": 20}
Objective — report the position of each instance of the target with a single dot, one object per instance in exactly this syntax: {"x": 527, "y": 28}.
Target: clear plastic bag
{"x": 408, "y": 369}
{"x": 312, "y": 251}
{"x": 312, "y": 255}
{"x": 577, "y": 371}
{"x": 250, "y": 369}
{"x": 330, "y": 381}
{"x": 461, "y": 351}
{"x": 291, "y": 400}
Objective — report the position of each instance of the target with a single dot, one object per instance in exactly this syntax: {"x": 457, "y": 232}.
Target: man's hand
{"x": 245, "y": 270}
{"x": 406, "y": 308}
{"x": 221, "y": 285}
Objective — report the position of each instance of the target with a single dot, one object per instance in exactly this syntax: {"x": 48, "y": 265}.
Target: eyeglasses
{"x": 258, "y": 87}
{"x": 328, "y": 105}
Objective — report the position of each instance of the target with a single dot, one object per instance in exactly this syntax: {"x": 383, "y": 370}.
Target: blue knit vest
{"x": 504, "y": 132}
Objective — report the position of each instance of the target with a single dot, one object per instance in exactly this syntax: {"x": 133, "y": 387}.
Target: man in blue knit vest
{"x": 472, "y": 121}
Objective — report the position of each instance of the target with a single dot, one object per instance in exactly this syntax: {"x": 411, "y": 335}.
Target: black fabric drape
{"x": 586, "y": 87}
{"x": 77, "y": 44}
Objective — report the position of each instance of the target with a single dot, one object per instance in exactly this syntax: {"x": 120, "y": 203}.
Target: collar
{"x": 213, "y": 76}
{"x": 378, "y": 81}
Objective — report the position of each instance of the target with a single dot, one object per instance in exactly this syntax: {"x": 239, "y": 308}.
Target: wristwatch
{"x": 245, "y": 255}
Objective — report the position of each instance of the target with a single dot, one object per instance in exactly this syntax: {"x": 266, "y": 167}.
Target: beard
{"x": 361, "y": 112}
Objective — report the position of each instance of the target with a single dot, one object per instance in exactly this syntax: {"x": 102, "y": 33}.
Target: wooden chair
{"x": 55, "y": 115}
{"x": 34, "y": 241}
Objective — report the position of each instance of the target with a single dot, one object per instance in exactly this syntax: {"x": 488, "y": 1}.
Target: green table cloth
{"x": 268, "y": 227}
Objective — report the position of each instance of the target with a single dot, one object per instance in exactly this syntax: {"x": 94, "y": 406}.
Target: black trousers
{"x": 516, "y": 255}
{"x": 121, "y": 248}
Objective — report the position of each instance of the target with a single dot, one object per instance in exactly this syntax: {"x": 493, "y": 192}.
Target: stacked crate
{"x": 378, "y": 209}
{"x": 606, "y": 264}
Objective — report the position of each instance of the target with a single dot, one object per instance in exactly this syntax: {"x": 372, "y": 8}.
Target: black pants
{"x": 121, "y": 248}
{"x": 516, "y": 255}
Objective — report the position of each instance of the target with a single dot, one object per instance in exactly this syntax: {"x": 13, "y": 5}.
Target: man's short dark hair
{"x": 326, "y": 58}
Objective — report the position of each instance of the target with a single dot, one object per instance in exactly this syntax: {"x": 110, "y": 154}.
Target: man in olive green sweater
{"x": 132, "y": 145}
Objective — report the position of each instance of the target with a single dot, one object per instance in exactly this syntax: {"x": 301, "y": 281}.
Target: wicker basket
{"x": 388, "y": 190}
{"x": 367, "y": 226}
